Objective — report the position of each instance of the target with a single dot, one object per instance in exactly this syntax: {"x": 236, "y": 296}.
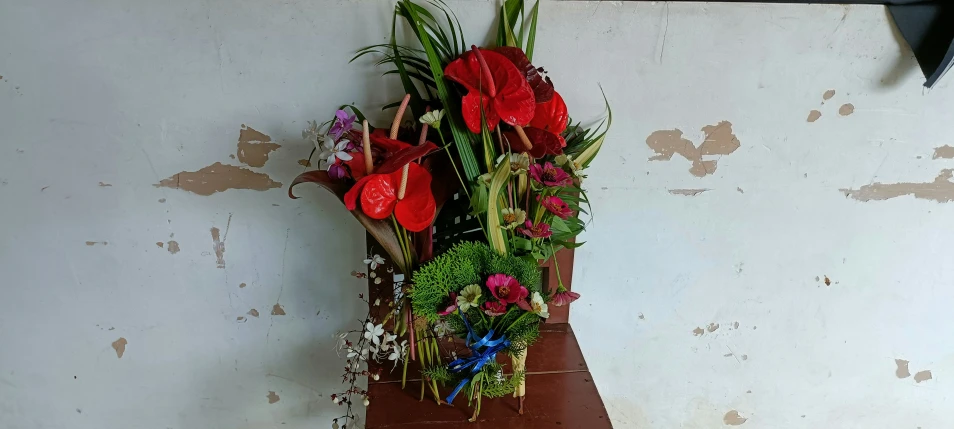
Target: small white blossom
{"x": 374, "y": 261}
{"x": 374, "y": 332}
{"x": 432, "y": 118}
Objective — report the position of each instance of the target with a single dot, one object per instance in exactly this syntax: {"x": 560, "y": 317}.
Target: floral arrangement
{"x": 489, "y": 128}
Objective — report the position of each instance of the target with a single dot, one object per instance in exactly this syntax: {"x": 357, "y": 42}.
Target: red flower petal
{"x": 544, "y": 142}
{"x": 551, "y": 116}
{"x": 379, "y": 138}
{"x": 398, "y": 159}
{"x": 470, "y": 110}
{"x": 379, "y": 195}
{"x": 542, "y": 89}
{"x": 417, "y": 210}
{"x": 351, "y": 197}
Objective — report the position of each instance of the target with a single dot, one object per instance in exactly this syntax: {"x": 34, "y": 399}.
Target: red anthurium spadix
{"x": 494, "y": 83}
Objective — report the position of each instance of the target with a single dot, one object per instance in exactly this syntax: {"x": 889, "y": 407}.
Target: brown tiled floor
{"x": 560, "y": 394}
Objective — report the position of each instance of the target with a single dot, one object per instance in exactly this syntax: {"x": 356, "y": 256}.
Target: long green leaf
{"x": 417, "y": 105}
{"x": 532, "y": 37}
{"x": 495, "y": 232}
{"x": 423, "y": 79}
{"x": 594, "y": 147}
{"x": 508, "y": 29}
{"x": 462, "y": 139}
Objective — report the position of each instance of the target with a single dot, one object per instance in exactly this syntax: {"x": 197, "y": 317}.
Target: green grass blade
{"x": 462, "y": 139}
{"x": 417, "y": 104}
{"x": 532, "y": 36}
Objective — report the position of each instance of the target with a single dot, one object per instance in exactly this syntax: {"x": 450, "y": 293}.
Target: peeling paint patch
{"x": 828, "y": 94}
{"x": 846, "y": 109}
{"x": 219, "y": 247}
{"x": 219, "y": 177}
{"x": 719, "y": 140}
{"x": 923, "y": 376}
{"x": 242, "y": 285}
{"x": 277, "y": 310}
{"x": 120, "y": 347}
{"x": 240, "y": 319}
{"x": 712, "y": 327}
{"x": 698, "y": 332}
{"x": 946, "y": 152}
{"x": 173, "y": 247}
{"x": 93, "y": 243}
{"x": 814, "y": 115}
{"x": 940, "y": 190}
{"x": 304, "y": 163}
{"x": 902, "y": 370}
{"x": 254, "y": 146}
{"x": 733, "y": 418}
{"x": 272, "y": 397}
{"x": 159, "y": 244}
{"x": 253, "y": 312}
{"x": 104, "y": 185}
{"x": 827, "y": 281}
{"x": 687, "y": 192}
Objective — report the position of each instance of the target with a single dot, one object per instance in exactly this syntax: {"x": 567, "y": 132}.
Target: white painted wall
{"x": 129, "y": 94}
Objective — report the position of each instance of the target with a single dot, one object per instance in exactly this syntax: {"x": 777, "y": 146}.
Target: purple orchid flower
{"x": 343, "y": 122}
{"x": 336, "y": 171}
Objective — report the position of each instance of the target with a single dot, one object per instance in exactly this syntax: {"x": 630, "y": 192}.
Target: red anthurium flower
{"x": 550, "y": 175}
{"x": 556, "y": 206}
{"x": 540, "y": 230}
{"x": 494, "y": 308}
{"x": 378, "y": 194}
{"x": 551, "y": 116}
{"x": 507, "y": 289}
{"x": 495, "y": 84}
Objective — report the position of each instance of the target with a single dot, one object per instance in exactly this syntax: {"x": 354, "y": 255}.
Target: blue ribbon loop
{"x": 478, "y": 358}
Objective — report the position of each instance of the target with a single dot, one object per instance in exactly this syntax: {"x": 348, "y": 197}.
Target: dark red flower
{"x": 378, "y": 194}
{"x": 540, "y": 230}
{"x": 495, "y": 84}
{"x": 542, "y": 87}
{"x": 551, "y": 116}
{"x": 494, "y": 308}
{"x": 549, "y": 175}
{"x": 450, "y": 308}
{"x": 557, "y": 206}
{"x": 542, "y": 143}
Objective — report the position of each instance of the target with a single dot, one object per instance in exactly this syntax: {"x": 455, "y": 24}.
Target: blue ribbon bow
{"x": 478, "y": 358}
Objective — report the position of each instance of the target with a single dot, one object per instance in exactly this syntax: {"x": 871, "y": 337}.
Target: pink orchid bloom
{"x": 540, "y": 230}
{"x": 494, "y": 309}
{"x": 550, "y": 175}
{"x": 557, "y": 206}
{"x": 507, "y": 289}
{"x": 451, "y": 308}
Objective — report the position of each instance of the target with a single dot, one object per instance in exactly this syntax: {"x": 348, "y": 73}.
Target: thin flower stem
{"x": 556, "y": 266}
{"x": 453, "y": 164}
